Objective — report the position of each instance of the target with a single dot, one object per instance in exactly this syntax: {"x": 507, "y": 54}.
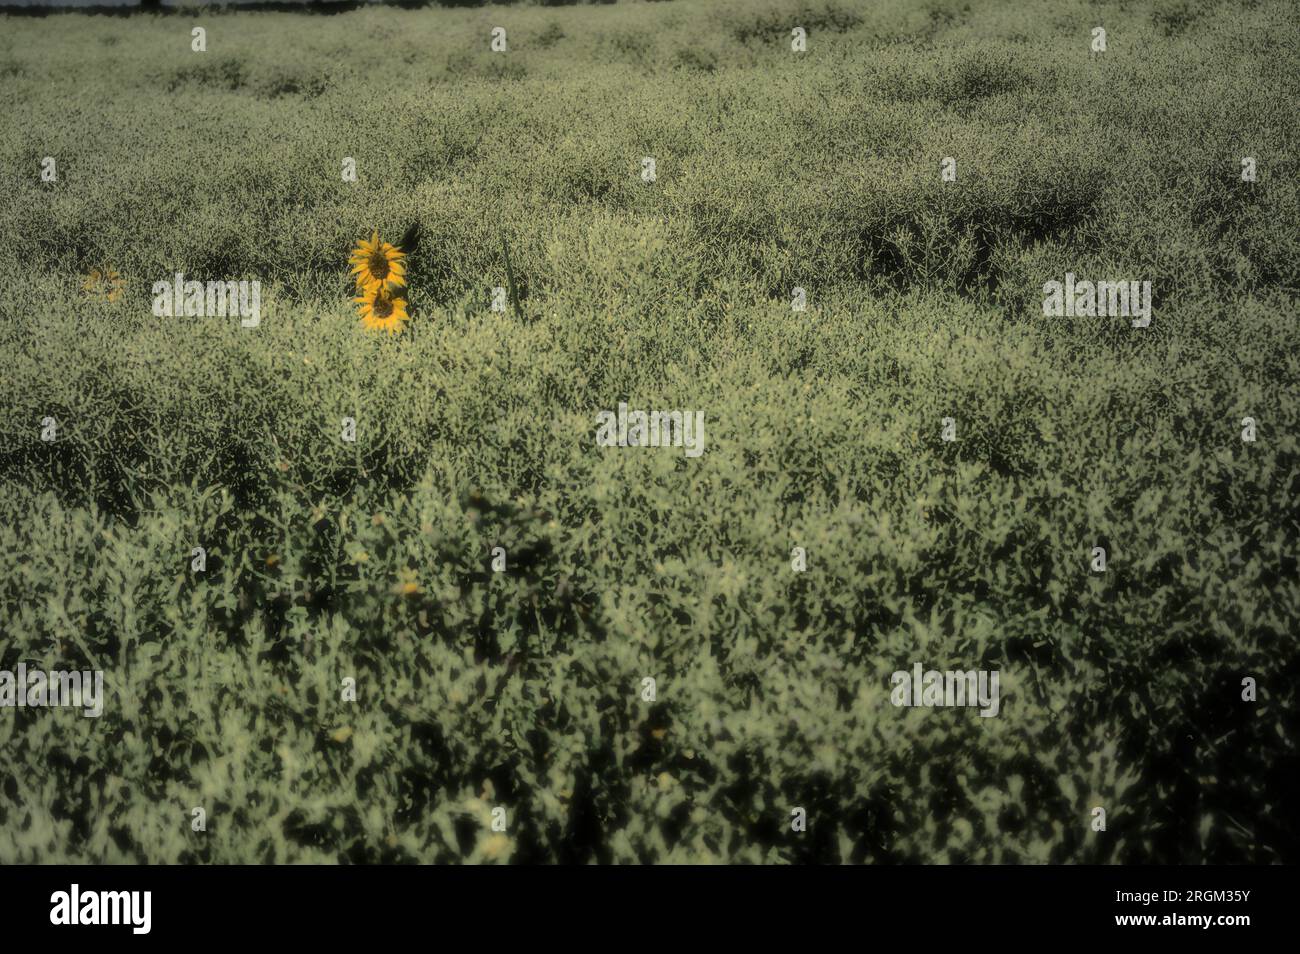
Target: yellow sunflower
{"x": 377, "y": 264}
{"x": 381, "y": 309}
{"x": 103, "y": 282}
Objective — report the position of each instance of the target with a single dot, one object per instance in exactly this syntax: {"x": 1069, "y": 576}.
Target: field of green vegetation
{"x": 329, "y": 560}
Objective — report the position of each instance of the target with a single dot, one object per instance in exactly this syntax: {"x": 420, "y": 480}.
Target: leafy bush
{"x": 522, "y": 689}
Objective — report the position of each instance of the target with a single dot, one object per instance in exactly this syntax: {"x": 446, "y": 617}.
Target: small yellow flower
{"x": 377, "y": 264}
{"x": 103, "y": 282}
{"x": 341, "y": 735}
{"x": 408, "y": 583}
{"x": 381, "y": 309}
